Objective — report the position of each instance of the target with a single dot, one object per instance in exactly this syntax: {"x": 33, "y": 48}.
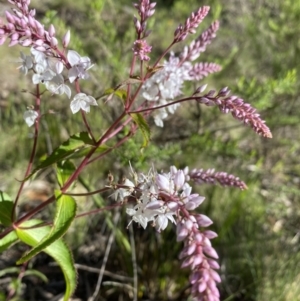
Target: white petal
{"x": 75, "y": 106}
{"x": 73, "y": 57}
{"x": 72, "y": 74}
{"x": 59, "y": 66}
{"x": 30, "y": 116}
{"x": 92, "y": 101}
{"x": 85, "y": 106}
{"x": 67, "y": 90}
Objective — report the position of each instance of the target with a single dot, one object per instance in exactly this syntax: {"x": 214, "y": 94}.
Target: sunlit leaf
{"x": 57, "y": 250}
{"x": 8, "y": 240}
{"x": 65, "y": 213}
{"x": 64, "y": 170}
{"x": 69, "y": 147}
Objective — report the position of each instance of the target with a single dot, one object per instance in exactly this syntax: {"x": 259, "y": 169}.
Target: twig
{"x": 109, "y": 244}
{"x": 95, "y": 270}
{"x": 134, "y": 265}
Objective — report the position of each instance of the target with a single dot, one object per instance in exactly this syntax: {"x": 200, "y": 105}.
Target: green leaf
{"x": 8, "y": 240}
{"x": 64, "y": 170}
{"x": 6, "y": 207}
{"x": 65, "y": 213}
{"x": 84, "y": 151}
{"x": 57, "y": 250}
{"x": 10, "y": 270}
{"x": 118, "y": 90}
{"x": 69, "y": 147}
{"x": 143, "y": 126}
{"x": 36, "y": 273}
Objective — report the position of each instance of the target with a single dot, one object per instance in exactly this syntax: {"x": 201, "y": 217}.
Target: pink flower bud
{"x": 179, "y": 179}
{"x": 66, "y": 39}
{"x": 13, "y": 43}
{"x": 210, "y": 252}
{"x": 39, "y": 42}
{"x": 182, "y": 232}
{"x": 2, "y": 39}
{"x": 191, "y": 248}
{"x": 154, "y": 205}
{"x": 51, "y": 30}
{"x": 32, "y": 12}
{"x": 163, "y": 183}
{"x": 215, "y": 276}
{"x": 31, "y": 22}
{"x": 202, "y": 287}
{"x": 10, "y": 27}
{"x": 173, "y": 206}
{"x": 213, "y": 264}
{"x": 9, "y": 17}
{"x": 188, "y": 261}
{"x": 210, "y": 234}
{"x": 53, "y": 42}
{"x": 197, "y": 259}
{"x": 203, "y": 220}
{"x": 26, "y": 42}
{"x": 14, "y": 36}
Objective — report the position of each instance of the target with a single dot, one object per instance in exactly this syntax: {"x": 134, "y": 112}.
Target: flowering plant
{"x": 152, "y": 90}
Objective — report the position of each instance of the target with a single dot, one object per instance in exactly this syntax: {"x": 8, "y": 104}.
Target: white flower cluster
{"x": 160, "y": 197}
{"x": 165, "y": 85}
{"x": 47, "y": 70}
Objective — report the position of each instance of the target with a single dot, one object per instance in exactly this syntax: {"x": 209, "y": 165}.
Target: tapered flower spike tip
{"x": 191, "y": 24}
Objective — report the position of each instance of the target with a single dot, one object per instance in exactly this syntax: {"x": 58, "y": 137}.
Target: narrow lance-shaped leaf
{"x": 65, "y": 213}
{"x": 143, "y": 126}
{"x": 8, "y": 240}
{"x": 58, "y": 251}
{"x": 69, "y": 147}
{"x": 6, "y": 207}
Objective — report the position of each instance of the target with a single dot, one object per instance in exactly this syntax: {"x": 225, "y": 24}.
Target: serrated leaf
{"x": 63, "y": 171}
{"x": 143, "y": 126}
{"x": 57, "y": 250}
{"x": 6, "y": 207}
{"x": 8, "y": 240}
{"x": 65, "y": 214}
{"x": 69, "y": 147}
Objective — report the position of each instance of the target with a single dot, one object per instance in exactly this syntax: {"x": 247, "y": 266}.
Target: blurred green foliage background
{"x": 258, "y": 46}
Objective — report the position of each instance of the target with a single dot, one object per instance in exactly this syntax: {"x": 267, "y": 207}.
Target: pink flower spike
{"x": 190, "y": 24}
{"x": 140, "y": 49}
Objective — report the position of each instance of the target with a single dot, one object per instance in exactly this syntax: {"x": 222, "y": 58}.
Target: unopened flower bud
{"x": 66, "y": 39}
{"x": 51, "y": 30}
